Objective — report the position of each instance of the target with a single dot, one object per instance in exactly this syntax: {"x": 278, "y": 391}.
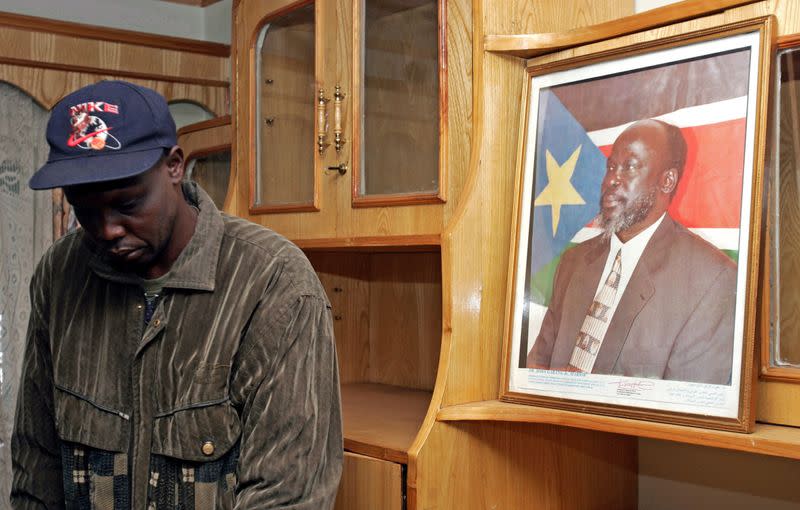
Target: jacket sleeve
{"x": 291, "y": 444}
{"x": 35, "y": 448}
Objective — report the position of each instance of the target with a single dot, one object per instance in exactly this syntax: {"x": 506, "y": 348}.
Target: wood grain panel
{"x": 382, "y": 421}
{"x": 346, "y": 279}
{"x": 788, "y": 13}
{"x": 369, "y": 484}
{"x": 503, "y": 465}
{"x": 766, "y": 439}
{"x": 749, "y": 11}
{"x": 534, "y": 44}
{"x": 778, "y": 404}
{"x": 57, "y": 51}
{"x": 52, "y": 26}
{"x": 476, "y": 272}
{"x": 387, "y": 314}
{"x": 405, "y": 315}
{"x": 48, "y": 86}
{"x": 459, "y": 102}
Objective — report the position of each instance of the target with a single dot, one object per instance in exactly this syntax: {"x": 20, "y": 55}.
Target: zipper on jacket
{"x": 93, "y": 403}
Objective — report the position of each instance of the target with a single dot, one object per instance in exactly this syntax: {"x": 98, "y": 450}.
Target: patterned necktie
{"x": 594, "y": 327}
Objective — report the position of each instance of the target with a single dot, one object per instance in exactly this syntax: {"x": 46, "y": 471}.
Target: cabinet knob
{"x": 341, "y": 168}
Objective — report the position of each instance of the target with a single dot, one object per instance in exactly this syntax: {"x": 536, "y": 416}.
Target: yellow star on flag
{"x": 559, "y": 190}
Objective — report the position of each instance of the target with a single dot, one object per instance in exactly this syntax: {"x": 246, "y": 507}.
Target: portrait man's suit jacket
{"x": 674, "y": 320}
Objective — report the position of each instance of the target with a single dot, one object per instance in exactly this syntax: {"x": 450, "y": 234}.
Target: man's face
{"x": 130, "y": 220}
{"x": 630, "y": 198}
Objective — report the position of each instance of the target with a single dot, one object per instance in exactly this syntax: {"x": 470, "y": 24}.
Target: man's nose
{"x": 110, "y": 228}
{"x": 612, "y": 179}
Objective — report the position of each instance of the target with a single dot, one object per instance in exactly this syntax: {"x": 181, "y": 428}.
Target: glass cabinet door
{"x": 785, "y": 349}
{"x": 284, "y": 119}
{"x": 398, "y": 108}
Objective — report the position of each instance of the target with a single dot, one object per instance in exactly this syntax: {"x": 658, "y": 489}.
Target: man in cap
{"x": 176, "y": 357}
{"x": 647, "y": 298}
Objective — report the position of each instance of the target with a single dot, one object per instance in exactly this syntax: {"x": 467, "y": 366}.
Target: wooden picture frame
{"x": 655, "y": 152}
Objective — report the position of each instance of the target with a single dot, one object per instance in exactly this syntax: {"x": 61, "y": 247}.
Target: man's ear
{"x": 669, "y": 180}
{"x": 175, "y": 164}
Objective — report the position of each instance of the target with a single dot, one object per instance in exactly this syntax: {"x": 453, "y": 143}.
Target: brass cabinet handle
{"x": 341, "y": 168}
{"x": 322, "y": 121}
{"x": 338, "y": 97}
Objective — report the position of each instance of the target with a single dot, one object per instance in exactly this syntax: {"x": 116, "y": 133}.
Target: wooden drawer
{"x": 369, "y": 484}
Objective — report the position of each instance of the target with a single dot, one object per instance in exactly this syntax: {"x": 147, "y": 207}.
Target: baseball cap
{"x": 106, "y": 131}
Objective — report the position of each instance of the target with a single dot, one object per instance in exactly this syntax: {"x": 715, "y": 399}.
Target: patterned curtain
{"x": 26, "y": 230}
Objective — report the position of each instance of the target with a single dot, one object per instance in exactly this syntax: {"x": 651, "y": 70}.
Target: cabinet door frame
{"x": 206, "y": 138}
{"x": 264, "y": 12}
{"x": 383, "y": 200}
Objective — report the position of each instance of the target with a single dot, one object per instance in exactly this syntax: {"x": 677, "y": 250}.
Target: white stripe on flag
{"x": 722, "y": 238}
{"x": 710, "y": 113}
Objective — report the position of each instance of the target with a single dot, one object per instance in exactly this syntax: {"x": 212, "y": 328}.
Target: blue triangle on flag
{"x": 560, "y": 134}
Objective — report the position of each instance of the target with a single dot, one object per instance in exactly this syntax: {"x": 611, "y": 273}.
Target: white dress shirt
{"x": 631, "y": 252}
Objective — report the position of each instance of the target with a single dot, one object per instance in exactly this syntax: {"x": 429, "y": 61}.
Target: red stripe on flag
{"x": 709, "y": 193}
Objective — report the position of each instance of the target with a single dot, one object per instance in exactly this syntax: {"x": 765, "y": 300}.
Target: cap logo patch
{"x": 91, "y": 132}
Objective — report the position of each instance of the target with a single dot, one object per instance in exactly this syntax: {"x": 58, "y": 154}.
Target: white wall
{"x": 151, "y": 16}
{"x": 218, "y": 21}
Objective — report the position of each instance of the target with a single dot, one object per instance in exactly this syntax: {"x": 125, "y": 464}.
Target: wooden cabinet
{"x": 350, "y": 141}
{"x": 347, "y": 117}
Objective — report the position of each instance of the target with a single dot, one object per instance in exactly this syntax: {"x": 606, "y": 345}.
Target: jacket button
{"x": 208, "y": 448}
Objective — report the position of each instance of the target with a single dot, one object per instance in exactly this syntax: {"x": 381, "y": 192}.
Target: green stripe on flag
{"x": 542, "y": 281}
{"x": 733, "y": 254}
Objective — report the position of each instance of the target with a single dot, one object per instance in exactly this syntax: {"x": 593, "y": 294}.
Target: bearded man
{"x": 647, "y": 298}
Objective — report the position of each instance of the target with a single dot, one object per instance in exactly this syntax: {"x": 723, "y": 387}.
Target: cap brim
{"x": 94, "y": 168}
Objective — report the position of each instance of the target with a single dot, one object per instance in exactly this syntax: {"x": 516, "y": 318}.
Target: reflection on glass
{"x": 786, "y": 338}
{"x": 212, "y": 173}
{"x": 285, "y": 110}
{"x": 400, "y": 110}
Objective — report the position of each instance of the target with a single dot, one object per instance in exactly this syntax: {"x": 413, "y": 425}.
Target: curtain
{"x": 26, "y": 230}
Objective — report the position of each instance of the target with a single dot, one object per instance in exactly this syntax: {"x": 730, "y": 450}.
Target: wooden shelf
{"x": 772, "y": 440}
{"x": 373, "y": 244}
{"x": 382, "y": 421}
{"x": 533, "y": 45}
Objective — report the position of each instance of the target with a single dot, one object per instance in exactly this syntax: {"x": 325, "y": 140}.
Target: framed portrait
{"x": 634, "y": 266}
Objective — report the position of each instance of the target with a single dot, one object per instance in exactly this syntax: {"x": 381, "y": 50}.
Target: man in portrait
{"x": 646, "y": 297}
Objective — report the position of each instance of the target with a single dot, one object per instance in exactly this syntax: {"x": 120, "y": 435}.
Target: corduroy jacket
{"x": 227, "y": 398}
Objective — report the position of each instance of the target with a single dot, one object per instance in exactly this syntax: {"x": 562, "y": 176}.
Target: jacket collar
{"x": 196, "y": 266}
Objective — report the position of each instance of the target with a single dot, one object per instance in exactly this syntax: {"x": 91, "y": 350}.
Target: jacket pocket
{"x": 201, "y": 432}
{"x": 81, "y": 419}
{"x": 195, "y": 451}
